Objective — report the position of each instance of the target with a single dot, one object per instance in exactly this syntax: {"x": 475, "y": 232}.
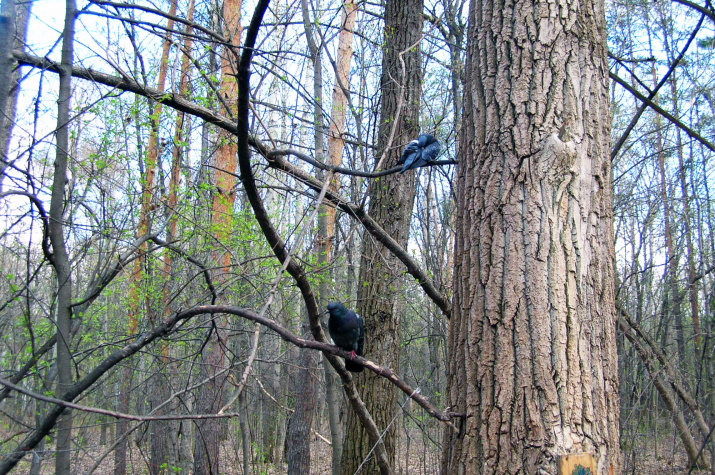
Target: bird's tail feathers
{"x": 353, "y": 366}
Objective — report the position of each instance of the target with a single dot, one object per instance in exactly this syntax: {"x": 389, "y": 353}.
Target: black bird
{"x": 419, "y": 153}
{"x": 348, "y": 332}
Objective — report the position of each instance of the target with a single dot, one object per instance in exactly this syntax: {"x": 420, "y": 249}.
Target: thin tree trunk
{"x": 391, "y": 200}
{"x": 162, "y": 430}
{"x": 275, "y": 374}
{"x": 298, "y": 435}
{"x": 245, "y": 435}
{"x": 270, "y": 417}
{"x": 213, "y": 358}
{"x": 687, "y": 216}
{"x": 122, "y": 426}
{"x": 61, "y": 261}
{"x": 207, "y": 441}
{"x": 333, "y": 398}
{"x": 532, "y": 347}
{"x": 135, "y": 297}
{"x": 672, "y": 302}
{"x": 7, "y": 43}
{"x": 672, "y": 292}
{"x": 39, "y": 453}
{"x": 455, "y": 39}
{"x": 326, "y": 220}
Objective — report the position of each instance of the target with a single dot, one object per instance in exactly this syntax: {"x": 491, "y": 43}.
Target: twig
{"x": 118, "y": 415}
{"x": 677, "y": 122}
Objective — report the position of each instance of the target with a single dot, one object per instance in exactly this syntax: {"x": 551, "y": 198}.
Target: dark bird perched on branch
{"x": 419, "y": 153}
{"x": 348, "y": 332}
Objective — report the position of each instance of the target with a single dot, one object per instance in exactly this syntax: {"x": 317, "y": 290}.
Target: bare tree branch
{"x": 164, "y": 329}
{"x": 672, "y": 376}
{"x": 617, "y": 147}
{"x": 43, "y": 215}
{"x": 118, "y": 415}
{"x": 170, "y": 99}
{"x": 215, "y": 36}
{"x": 94, "y": 290}
{"x": 707, "y": 11}
{"x": 348, "y": 171}
{"x": 275, "y": 160}
{"x": 677, "y": 122}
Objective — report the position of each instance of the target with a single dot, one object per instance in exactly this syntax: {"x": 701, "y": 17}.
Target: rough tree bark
{"x": 298, "y": 434}
{"x": 532, "y": 348}
{"x": 391, "y": 198}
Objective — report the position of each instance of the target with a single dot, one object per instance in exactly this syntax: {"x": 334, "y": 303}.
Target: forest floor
{"x": 649, "y": 456}
{"x": 421, "y": 460}
{"x": 652, "y": 455}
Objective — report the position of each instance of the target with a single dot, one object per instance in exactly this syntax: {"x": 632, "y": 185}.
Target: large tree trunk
{"x": 532, "y": 336}
{"x": 391, "y": 199}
